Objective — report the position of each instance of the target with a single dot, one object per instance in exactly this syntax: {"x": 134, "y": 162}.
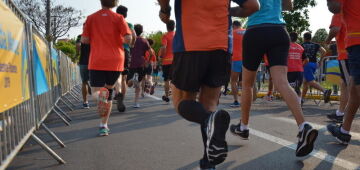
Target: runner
{"x": 311, "y": 51}
{"x": 236, "y": 67}
{"x": 351, "y": 17}
{"x": 269, "y": 96}
{"x": 121, "y": 86}
{"x": 338, "y": 30}
{"x": 166, "y": 52}
{"x": 148, "y": 85}
{"x": 266, "y": 34}
{"x": 137, "y": 64}
{"x": 296, "y": 62}
{"x": 84, "y": 50}
{"x": 202, "y": 64}
{"x": 106, "y": 61}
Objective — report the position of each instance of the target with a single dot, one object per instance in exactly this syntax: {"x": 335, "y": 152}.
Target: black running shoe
{"x": 306, "y": 142}
{"x": 166, "y": 99}
{"x": 343, "y": 138}
{"x": 216, "y": 146}
{"x": 327, "y": 95}
{"x": 335, "y": 117}
{"x": 206, "y": 165}
{"x": 236, "y": 131}
{"x": 120, "y": 102}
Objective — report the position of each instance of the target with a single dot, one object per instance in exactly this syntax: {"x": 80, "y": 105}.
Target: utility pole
{"x": 48, "y": 21}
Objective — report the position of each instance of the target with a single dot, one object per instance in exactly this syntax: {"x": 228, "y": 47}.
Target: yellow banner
{"x": 14, "y": 77}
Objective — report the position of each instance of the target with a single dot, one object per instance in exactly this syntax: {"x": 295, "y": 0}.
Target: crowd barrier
{"x": 34, "y": 79}
{"x": 327, "y": 74}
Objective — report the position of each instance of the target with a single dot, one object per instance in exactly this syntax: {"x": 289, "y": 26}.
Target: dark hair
{"x": 151, "y": 42}
{"x": 307, "y": 36}
{"x": 294, "y": 36}
{"x": 138, "y": 29}
{"x": 170, "y": 25}
{"x": 122, "y": 10}
{"x": 237, "y": 23}
{"x": 109, "y": 3}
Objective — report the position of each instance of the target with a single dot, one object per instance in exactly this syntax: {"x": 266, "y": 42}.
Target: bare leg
{"x": 248, "y": 81}
{"x": 316, "y": 85}
{"x": 305, "y": 90}
{"x": 208, "y": 97}
{"x": 123, "y": 85}
{"x": 234, "y": 85}
{"x": 352, "y": 106}
{"x": 84, "y": 90}
{"x": 180, "y": 95}
{"x": 167, "y": 88}
{"x": 344, "y": 97}
{"x": 279, "y": 74}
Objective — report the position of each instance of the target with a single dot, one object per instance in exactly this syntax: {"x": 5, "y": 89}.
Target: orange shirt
{"x": 295, "y": 58}
{"x": 167, "y": 41}
{"x": 202, "y": 25}
{"x": 266, "y": 61}
{"x": 351, "y": 17}
{"x": 106, "y": 30}
{"x": 238, "y": 35}
{"x": 147, "y": 56}
{"x": 340, "y": 38}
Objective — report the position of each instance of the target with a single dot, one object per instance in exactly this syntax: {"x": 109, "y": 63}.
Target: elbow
{"x": 85, "y": 40}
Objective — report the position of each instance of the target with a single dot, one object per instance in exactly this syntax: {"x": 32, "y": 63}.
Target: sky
{"x": 145, "y": 12}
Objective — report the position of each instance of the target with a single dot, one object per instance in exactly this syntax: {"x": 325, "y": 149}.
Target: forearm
{"x": 164, "y": 4}
{"x": 287, "y": 5}
{"x": 246, "y": 9}
{"x": 332, "y": 34}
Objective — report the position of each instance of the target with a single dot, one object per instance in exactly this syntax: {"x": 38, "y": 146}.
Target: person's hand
{"x": 164, "y": 14}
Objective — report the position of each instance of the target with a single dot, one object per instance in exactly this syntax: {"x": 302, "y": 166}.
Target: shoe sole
{"x": 308, "y": 146}
{"x": 210, "y": 134}
{"x": 339, "y": 140}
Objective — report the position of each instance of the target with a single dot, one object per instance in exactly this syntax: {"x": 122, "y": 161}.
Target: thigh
{"x": 97, "y": 78}
{"x": 254, "y": 48}
{"x": 111, "y": 77}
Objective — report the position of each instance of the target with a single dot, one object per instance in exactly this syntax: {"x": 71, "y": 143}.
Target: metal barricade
{"x": 61, "y": 80}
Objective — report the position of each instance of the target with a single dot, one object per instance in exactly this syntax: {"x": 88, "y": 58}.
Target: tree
{"x": 62, "y": 18}
{"x": 68, "y": 48}
{"x": 156, "y": 37}
{"x": 297, "y": 20}
{"x": 320, "y": 36}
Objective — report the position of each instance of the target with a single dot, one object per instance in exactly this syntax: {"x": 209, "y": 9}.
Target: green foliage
{"x": 156, "y": 37}
{"x": 320, "y": 36}
{"x": 68, "y": 48}
{"x": 243, "y": 21}
{"x": 297, "y": 20}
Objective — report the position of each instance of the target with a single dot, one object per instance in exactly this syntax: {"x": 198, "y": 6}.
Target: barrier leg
{"x": 62, "y": 118}
{"x": 48, "y": 149}
{"x": 67, "y": 105}
{"x": 69, "y": 101}
{"x": 62, "y": 112}
{"x": 53, "y": 135}
{"x": 75, "y": 97}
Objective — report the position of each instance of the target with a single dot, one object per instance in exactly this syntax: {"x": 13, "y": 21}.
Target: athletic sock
{"x": 338, "y": 113}
{"x": 243, "y": 127}
{"x": 301, "y": 127}
{"x": 344, "y": 131}
{"x": 104, "y": 125}
{"x": 193, "y": 111}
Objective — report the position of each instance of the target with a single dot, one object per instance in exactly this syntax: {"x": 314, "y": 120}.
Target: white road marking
{"x": 354, "y": 135}
{"x": 315, "y": 153}
{"x": 153, "y": 97}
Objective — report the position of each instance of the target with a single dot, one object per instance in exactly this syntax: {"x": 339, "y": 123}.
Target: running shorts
{"x": 101, "y": 78}
{"x": 354, "y": 63}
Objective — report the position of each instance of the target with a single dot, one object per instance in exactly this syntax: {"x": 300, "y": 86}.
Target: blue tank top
{"x": 269, "y": 13}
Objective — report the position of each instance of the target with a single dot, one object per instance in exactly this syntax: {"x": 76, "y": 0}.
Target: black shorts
{"x": 295, "y": 80}
{"x": 191, "y": 70}
{"x": 126, "y": 63}
{"x": 148, "y": 70}
{"x": 140, "y": 71}
{"x": 271, "y": 40}
{"x": 101, "y": 78}
{"x": 167, "y": 72}
{"x": 344, "y": 69}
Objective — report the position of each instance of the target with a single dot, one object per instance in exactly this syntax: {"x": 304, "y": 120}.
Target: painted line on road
{"x": 354, "y": 135}
{"x": 315, "y": 153}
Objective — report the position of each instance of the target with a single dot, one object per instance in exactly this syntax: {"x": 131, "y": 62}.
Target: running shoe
{"x": 335, "y": 117}
{"x": 327, "y": 95}
{"x": 165, "y": 99}
{"x": 216, "y": 146}
{"x": 103, "y": 104}
{"x": 86, "y": 105}
{"x": 343, "y": 138}
{"x": 103, "y": 131}
{"x": 235, "y": 104}
{"x": 205, "y": 165}
{"x": 236, "y": 131}
{"x": 120, "y": 102}
{"x": 306, "y": 141}
{"x": 137, "y": 105}
{"x": 152, "y": 89}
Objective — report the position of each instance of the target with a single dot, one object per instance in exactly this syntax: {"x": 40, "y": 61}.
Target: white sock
{"x": 243, "y": 127}
{"x": 104, "y": 125}
{"x": 301, "y": 127}
{"x": 299, "y": 100}
{"x": 344, "y": 131}
{"x": 338, "y": 113}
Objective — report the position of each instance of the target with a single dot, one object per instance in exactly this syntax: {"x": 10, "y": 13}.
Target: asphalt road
{"x": 154, "y": 137}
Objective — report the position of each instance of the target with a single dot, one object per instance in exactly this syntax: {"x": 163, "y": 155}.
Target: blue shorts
{"x": 354, "y": 63}
{"x": 84, "y": 73}
{"x": 309, "y": 71}
{"x": 236, "y": 66}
